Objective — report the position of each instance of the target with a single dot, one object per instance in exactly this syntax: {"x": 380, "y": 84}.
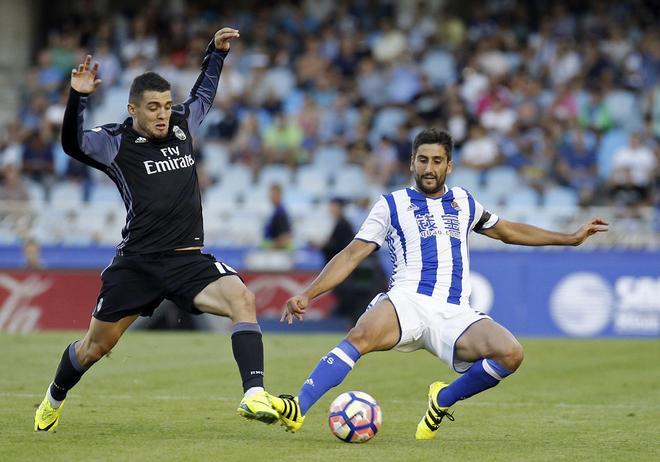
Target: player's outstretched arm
{"x": 523, "y": 234}
{"x": 203, "y": 92}
{"x": 333, "y": 274}
{"x": 92, "y": 147}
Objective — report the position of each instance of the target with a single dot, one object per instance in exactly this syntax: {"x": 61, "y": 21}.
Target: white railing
{"x": 73, "y": 223}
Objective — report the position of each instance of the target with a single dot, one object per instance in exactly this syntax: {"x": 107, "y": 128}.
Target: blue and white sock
{"x": 481, "y": 376}
{"x": 330, "y": 372}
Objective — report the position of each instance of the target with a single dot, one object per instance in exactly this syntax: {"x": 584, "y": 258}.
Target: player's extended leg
{"x": 77, "y": 358}
{"x": 495, "y": 354}
{"x": 229, "y": 297}
{"x": 376, "y": 330}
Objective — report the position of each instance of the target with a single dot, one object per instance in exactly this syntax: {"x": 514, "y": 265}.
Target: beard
{"x": 439, "y": 185}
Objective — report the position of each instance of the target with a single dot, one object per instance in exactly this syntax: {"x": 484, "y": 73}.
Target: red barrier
{"x": 58, "y": 300}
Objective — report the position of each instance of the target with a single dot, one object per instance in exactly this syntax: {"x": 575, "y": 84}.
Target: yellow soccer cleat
{"x": 427, "y": 428}
{"x": 47, "y": 417}
{"x": 257, "y": 407}
{"x": 289, "y": 411}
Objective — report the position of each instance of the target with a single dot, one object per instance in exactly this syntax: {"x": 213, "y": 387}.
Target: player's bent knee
{"x": 361, "y": 339}
{"x": 92, "y": 352}
{"x": 244, "y": 304}
{"x": 513, "y": 356}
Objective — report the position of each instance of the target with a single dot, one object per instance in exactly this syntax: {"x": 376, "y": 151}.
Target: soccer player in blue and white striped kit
{"x": 426, "y": 228}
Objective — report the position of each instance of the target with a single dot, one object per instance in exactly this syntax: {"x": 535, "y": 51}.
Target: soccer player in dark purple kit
{"x": 150, "y": 158}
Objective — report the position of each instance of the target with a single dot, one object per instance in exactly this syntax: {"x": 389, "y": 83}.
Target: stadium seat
{"x": 297, "y": 201}
{"x": 466, "y": 178}
{"x": 315, "y": 227}
{"x": 35, "y": 192}
{"x": 274, "y": 174}
{"x": 313, "y": 179}
{"x": 105, "y": 193}
{"x": 112, "y": 109}
{"x": 330, "y": 157}
{"x": 622, "y": 105}
{"x": 216, "y": 158}
{"x": 237, "y": 178}
{"x": 502, "y": 178}
{"x": 439, "y": 66}
{"x": 386, "y": 122}
{"x": 611, "y": 142}
{"x": 522, "y": 196}
{"x": 561, "y": 197}
{"x": 350, "y": 182}
{"x": 502, "y": 183}
{"x": 67, "y": 193}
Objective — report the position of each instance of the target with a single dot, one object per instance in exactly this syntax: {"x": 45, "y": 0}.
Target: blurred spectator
{"x": 222, "y": 121}
{"x": 342, "y": 232}
{"x": 634, "y": 169}
{"x": 12, "y": 187}
{"x": 564, "y": 107}
{"x": 246, "y": 147}
{"x": 310, "y": 66}
{"x": 577, "y": 166}
{"x": 389, "y": 44}
{"x": 38, "y": 160}
{"x": 283, "y": 141}
{"x": 498, "y": 117}
{"x": 382, "y": 163}
{"x": 277, "y": 233}
{"x": 109, "y": 65}
{"x": 11, "y": 145}
{"x": 309, "y": 120}
{"x": 141, "y": 42}
{"x": 565, "y": 64}
{"x": 48, "y": 75}
{"x": 480, "y": 151}
{"x": 336, "y": 78}
{"x": 32, "y": 255}
{"x": 594, "y": 114}
{"x": 355, "y": 292}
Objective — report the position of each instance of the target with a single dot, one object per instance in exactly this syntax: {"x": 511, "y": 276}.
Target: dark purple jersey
{"x": 156, "y": 178}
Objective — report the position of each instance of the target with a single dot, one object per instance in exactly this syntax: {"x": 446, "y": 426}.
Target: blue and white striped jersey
{"x": 428, "y": 239}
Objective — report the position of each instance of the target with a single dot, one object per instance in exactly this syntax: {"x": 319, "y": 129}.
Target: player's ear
{"x": 131, "y": 109}
{"x": 412, "y": 163}
{"x": 450, "y": 165}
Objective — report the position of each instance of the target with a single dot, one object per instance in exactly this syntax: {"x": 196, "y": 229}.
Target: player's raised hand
{"x": 295, "y": 306}
{"x": 83, "y": 79}
{"x": 223, "y": 37}
{"x": 593, "y": 226}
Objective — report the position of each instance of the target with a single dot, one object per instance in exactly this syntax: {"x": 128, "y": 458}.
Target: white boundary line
{"x": 630, "y": 407}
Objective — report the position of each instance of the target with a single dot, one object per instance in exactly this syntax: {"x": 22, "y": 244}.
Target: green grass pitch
{"x": 173, "y": 397}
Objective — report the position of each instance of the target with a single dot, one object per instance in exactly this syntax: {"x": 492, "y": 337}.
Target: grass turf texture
{"x": 173, "y": 396}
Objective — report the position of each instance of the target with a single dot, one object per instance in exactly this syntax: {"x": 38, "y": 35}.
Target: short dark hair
{"x": 434, "y": 136}
{"x": 149, "y": 81}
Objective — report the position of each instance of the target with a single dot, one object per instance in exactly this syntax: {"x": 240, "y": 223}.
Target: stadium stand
{"x": 313, "y": 99}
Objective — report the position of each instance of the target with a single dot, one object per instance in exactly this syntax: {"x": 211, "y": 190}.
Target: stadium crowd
{"x": 548, "y": 104}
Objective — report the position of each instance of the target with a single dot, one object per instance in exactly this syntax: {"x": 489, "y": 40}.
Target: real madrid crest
{"x": 178, "y": 133}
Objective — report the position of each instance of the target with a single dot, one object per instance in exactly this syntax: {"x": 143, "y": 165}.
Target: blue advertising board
{"x": 570, "y": 293}
{"x": 533, "y": 292}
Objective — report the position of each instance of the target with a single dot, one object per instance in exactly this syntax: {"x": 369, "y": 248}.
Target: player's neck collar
{"x": 422, "y": 195}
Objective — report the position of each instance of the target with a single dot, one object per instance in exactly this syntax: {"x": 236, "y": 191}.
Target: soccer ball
{"x": 354, "y": 417}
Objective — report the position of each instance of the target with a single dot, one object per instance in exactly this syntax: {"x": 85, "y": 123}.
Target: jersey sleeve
{"x": 203, "y": 92}
{"x": 376, "y": 225}
{"x": 483, "y": 219}
{"x": 97, "y": 147}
